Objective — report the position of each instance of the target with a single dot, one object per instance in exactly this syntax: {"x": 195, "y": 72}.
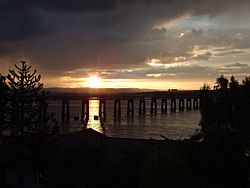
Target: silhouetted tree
{"x": 226, "y": 111}
{"x": 233, "y": 83}
{"x": 246, "y": 82}
{"x": 225, "y": 128}
{"x": 222, "y": 83}
{"x": 205, "y": 100}
{"x": 205, "y": 87}
{"x": 27, "y": 105}
{"x": 246, "y": 86}
{"x": 3, "y": 102}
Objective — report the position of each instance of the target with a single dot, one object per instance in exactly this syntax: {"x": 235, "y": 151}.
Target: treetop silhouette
{"x": 226, "y": 108}
{"x": 26, "y": 102}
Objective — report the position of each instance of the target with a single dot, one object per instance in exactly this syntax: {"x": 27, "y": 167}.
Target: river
{"x": 176, "y": 125}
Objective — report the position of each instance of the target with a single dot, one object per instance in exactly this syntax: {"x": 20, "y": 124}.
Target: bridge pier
{"x": 195, "y": 104}
{"x": 181, "y": 105}
{"x": 189, "y": 104}
{"x": 42, "y": 111}
{"x": 43, "y": 107}
{"x": 130, "y": 107}
{"x": 85, "y": 111}
{"x": 153, "y": 109}
{"x": 173, "y": 105}
{"x": 102, "y": 109}
{"x": 117, "y": 109}
{"x": 65, "y": 110}
{"x": 164, "y": 106}
{"x": 142, "y": 107}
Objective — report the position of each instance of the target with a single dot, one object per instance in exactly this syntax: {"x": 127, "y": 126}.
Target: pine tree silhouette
{"x": 27, "y": 105}
{"x": 3, "y": 102}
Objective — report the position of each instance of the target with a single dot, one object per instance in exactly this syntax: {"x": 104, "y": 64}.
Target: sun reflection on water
{"x": 94, "y": 119}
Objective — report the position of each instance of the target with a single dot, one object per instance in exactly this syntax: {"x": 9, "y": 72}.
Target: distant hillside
{"x": 96, "y": 90}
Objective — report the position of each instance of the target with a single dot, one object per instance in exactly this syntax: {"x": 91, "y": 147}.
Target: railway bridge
{"x": 186, "y": 100}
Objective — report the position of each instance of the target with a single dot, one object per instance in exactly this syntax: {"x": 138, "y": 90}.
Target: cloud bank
{"x": 119, "y": 38}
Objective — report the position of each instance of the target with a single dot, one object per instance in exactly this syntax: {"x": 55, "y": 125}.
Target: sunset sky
{"x": 156, "y": 44}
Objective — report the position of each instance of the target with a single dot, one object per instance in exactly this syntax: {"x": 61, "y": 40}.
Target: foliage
{"x": 222, "y": 83}
{"x": 218, "y": 162}
{"x": 226, "y": 107}
{"x": 164, "y": 169}
{"x": 3, "y": 99}
{"x": 26, "y": 104}
{"x": 225, "y": 127}
{"x": 205, "y": 87}
{"x": 233, "y": 83}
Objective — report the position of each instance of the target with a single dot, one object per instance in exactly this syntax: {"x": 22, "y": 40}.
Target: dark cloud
{"x": 200, "y": 7}
{"x": 238, "y": 65}
{"x": 197, "y": 32}
{"x": 112, "y": 38}
{"x": 66, "y": 35}
{"x": 241, "y": 43}
{"x": 23, "y": 25}
{"x": 177, "y": 72}
{"x": 25, "y": 19}
{"x": 157, "y": 34}
{"x": 231, "y": 52}
{"x": 21, "y": 20}
{"x": 205, "y": 56}
{"x": 240, "y": 69}
{"x": 4, "y": 51}
{"x": 79, "y": 5}
{"x": 108, "y": 21}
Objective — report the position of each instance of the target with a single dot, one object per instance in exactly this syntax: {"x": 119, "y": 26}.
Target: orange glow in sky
{"x": 95, "y": 81}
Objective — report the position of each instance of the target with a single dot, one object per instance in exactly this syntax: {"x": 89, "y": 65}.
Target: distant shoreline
{"x": 110, "y": 90}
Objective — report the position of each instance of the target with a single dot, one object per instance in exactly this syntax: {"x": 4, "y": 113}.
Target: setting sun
{"x": 94, "y": 81}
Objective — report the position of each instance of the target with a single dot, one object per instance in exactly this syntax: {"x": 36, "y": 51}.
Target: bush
{"x": 165, "y": 170}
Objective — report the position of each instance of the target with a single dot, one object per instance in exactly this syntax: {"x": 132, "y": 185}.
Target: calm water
{"x": 171, "y": 125}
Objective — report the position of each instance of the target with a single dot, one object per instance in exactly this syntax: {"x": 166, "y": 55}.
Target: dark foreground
{"x": 89, "y": 159}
